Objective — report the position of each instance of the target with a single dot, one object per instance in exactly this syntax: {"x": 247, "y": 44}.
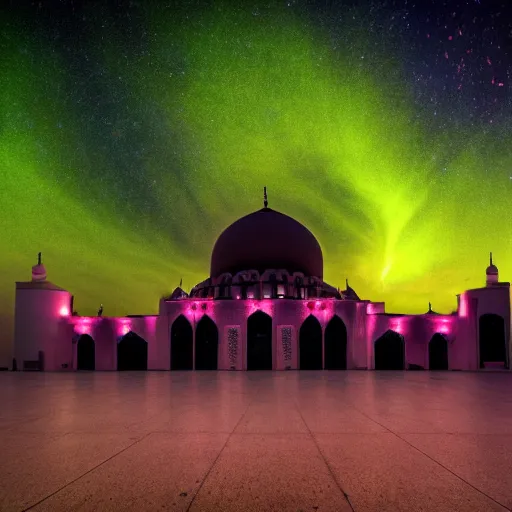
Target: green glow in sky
{"x": 124, "y": 178}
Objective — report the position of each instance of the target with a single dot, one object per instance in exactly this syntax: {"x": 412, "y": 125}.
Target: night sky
{"x": 131, "y": 136}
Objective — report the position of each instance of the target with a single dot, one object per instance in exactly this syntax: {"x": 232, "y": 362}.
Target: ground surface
{"x": 283, "y": 441}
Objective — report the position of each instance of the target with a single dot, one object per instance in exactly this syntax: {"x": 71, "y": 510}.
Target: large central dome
{"x": 264, "y": 240}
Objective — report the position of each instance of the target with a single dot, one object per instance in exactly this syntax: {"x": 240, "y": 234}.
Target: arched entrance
{"x": 85, "y": 353}
{"x": 438, "y": 353}
{"x": 259, "y": 341}
{"x": 181, "y": 344}
{"x": 335, "y": 344}
{"x": 492, "y": 343}
{"x": 390, "y": 351}
{"x": 310, "y": 344}
{"x": 132, "y": 353}
{"x": 207, "y": 343}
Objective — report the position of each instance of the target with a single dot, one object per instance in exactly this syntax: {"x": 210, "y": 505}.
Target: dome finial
{"x": 490, "y": 258}
{"x": 430, "y": 307}
{"x": 38, "y": 271}
{"x": 346, "y": 282}
{"x": 265, "y": 200}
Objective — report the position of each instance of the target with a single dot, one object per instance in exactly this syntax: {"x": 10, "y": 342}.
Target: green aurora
{"x": 124, "y": 177}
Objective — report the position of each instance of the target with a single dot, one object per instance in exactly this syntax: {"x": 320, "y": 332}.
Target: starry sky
{"x": 131, "y": 136}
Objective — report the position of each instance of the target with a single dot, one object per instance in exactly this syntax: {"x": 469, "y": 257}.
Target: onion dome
{"x": 492, "y": 270}
{"x": 38, "y": 271}
{"x": 267, "y": 239}
{"x": 178, "y": 294}
{"x": 350, "y": 293}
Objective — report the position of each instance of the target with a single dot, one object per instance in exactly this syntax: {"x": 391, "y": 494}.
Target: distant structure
{"x": 265, "y": 306}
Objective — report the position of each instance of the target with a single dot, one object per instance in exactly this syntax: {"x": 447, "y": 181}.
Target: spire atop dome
{"x": 265, "y": 199}
{"x": 491, "y": 269}
{"x": 38, "y": 271}
{"x": 491, "y": 272}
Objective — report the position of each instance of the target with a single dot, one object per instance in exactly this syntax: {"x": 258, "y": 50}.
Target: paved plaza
{"x": 283, "y": 441}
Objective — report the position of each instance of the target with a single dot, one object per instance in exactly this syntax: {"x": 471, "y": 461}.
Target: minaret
{"x": 42, "y": 330}
{"x": 491, "y": 273}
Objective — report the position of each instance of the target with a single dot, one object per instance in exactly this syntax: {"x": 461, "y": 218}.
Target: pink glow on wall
{"x": 64, "y": 311}
{"x": 398, "y": 325}
{"x": 371, "y": 324}
{"x": 259, "y": 305}
{"x": 463, "y": 306}
{"x": 151, "y": 322}
{"x": 444, "y": 325}
{"x": 319, "y": 305}
{"x": 199, "y": 306}
{"x": 83, "y": 325}
{"x": 374, "y": 308}
{"x": 123, "y": 326}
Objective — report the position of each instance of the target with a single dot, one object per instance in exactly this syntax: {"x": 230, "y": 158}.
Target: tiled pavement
{"x": 283, "y": 441}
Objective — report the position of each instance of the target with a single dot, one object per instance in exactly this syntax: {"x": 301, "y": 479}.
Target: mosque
{"x": 265, "y": 306}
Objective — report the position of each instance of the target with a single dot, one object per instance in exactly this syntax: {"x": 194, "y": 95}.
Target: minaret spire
{"x": 265, "y": 199}
{"x": 490, "y": 258}
{"x": 430, "y": 307}
{"x": 346, "y": 282}
{"x": 38, "y": 271}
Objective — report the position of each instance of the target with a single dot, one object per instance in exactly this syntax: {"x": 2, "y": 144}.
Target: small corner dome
{"x": 263, "y": 240}
{"x": 492, "y": 270}
{"x": 38, "y": 273}
{"x": 178, "y": 294}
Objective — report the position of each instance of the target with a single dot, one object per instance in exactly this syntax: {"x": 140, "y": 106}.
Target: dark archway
{"x": 132, "y": 353}
{"x": 259, "y": 341}
{"x": 85, "y": 353}
{"x": 207, "y": 343}
{"x": 310, "y": 344}
{"x": 493, "y": 348}
{"x": 390, "y": 351}
{"x": 438, "y": 353}
{"x": 335, "y": 344}
{"x": 181, "y": 344}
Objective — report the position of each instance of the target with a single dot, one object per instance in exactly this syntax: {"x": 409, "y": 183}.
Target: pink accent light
{"x": 83, "y": 326}
{"x": 463, "y": 307}
{"x": 64, "y": 311}
{"x": 124, "y": 327}
{"x": 398, "y": 326}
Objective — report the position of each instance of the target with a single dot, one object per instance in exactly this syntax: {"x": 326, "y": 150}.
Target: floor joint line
{"x": 331, "y": 472}
{"x": 396, "y": 434}
{"x": 217, "y": 458}
{"x": 86, "y": 473}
